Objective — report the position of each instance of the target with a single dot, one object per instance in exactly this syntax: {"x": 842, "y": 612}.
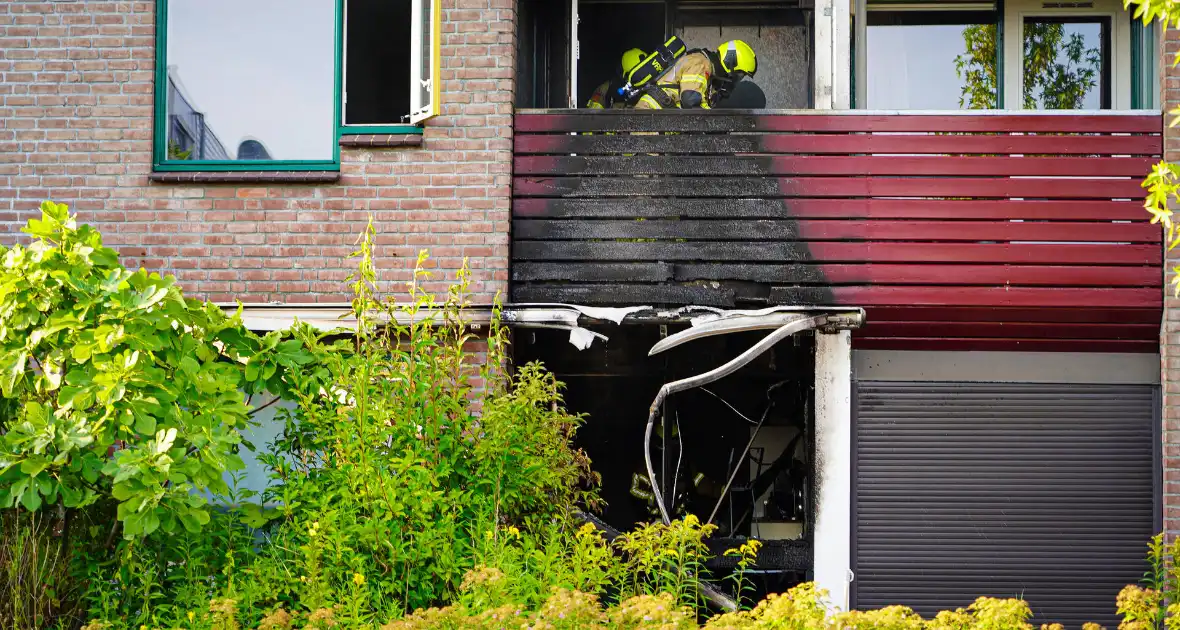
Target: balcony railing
{"x": 967, "y": 230}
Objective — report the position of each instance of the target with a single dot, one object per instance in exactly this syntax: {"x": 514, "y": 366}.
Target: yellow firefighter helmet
{"x": 737, "y": 56}
{"x": 631, "y": 58}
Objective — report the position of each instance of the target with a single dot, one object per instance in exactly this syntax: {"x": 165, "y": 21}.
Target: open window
{"x": 391, "y": 64}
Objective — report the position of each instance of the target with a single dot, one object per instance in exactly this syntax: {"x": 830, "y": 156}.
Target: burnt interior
{"x": 614, "y": 382}
{"x": 779, "y": 30}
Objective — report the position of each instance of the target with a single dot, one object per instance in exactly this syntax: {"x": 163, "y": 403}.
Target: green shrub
{"x": 124, "y": 391}
{"x": 386, "y": 479}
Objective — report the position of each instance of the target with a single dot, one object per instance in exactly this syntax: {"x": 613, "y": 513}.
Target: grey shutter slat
{"x": 967, "y": 489}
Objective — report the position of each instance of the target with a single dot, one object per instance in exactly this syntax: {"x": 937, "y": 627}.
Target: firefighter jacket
{"x": 691, "y": 73}
{"x": 605, "y": 96}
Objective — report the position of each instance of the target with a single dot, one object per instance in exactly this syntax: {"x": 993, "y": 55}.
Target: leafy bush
{"x": 385, "y": 479}
{"x": 123, "y": 390}
{"x": 400, "y": 452}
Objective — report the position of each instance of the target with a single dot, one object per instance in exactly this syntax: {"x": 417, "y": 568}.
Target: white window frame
{"x": 1016, "y": 11}
{"x": 425, "y": 44}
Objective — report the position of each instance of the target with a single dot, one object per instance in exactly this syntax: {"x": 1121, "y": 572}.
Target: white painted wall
{"x": 833, "y": 464}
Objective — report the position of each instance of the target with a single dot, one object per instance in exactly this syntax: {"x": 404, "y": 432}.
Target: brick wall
{"x": 76, "y": 84}
{"x": 1170, "y": 330}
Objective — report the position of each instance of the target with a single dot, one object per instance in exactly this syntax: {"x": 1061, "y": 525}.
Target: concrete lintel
{"x": 1007, "y": 367}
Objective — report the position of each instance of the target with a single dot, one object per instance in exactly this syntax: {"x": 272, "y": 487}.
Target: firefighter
{"x": 701, "y": 78}
{"x": 678, "y": 506}
{"x": 604, "y": 96}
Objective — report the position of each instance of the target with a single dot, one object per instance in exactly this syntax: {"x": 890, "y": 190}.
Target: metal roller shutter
{"x": 965, "y": 489}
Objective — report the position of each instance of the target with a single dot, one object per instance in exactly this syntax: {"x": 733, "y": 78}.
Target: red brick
{"x": 76, "y": 113}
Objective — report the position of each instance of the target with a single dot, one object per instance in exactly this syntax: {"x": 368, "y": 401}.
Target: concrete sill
{"x": 382, "y": 140}
{"x": 245, "y": 177}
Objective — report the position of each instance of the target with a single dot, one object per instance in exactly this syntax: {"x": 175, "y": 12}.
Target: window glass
{"x": 377, "y": 62}
{"x": 425, "y": 59}
{"x": 251, "y": 80}
{"x": 425, "y": 17}
{"x": 1066, "y": 63}
{"x": 931, "y": 60}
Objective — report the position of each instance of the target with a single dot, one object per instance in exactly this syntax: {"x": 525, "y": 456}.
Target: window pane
{"x": 426, "y": 74}
{"x": 251, "y": 79}
{"x": 1065, "y": 64}
{"x": 377, "y": 66}
{"x": 947, "y": 63}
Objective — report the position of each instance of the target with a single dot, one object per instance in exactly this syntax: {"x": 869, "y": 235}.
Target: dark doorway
{"x": 608, "y": 29}
{"x": 542, "y": 59}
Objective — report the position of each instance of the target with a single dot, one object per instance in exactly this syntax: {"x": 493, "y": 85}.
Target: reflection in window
{"x": 250, "y": 80}
{"x": 1066, "y": 63}
{"x": 932, "y": 60}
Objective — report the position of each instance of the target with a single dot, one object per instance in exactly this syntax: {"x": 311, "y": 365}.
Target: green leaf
{"x": 189, "y": 366}
{"x": 33, "y": 466}
{"x": 145, "y": 424}
{"x": 256, "y": 516}
{"x": 191, "y": 525}
{"x": 12, "y": 369}
{"x": 31, "y": 498}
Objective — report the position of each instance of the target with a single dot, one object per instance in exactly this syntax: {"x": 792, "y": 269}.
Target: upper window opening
{"x": 935, "y": 60}
{"x": 391, "y": 62}
{"x": 1067, "y": 63}
{"x": 249, "y": 81}
{"x": 376, "y": 62}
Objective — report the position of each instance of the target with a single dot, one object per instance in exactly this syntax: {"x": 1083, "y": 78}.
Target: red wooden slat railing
{"x": 974, "y": 231}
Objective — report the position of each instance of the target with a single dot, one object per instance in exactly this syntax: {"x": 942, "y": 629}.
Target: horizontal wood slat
{"x": 840, "y": 144}
{"x": 964, "y": 209}
{"x": 1136, "y": 332}
{"x": 835, "y": 274}
{"x": 843, "y": 187}
{"x": 912, "y": 165}
{"x": 1054, "y": 297}
{"x": 1150, "y": 255}
{"x": 820, "y": 230}
{"x": 936, "y": 314}
{"x": 974, "y": 231}
{"x": 985, "y": 344}
{"x": 723, "y": 122}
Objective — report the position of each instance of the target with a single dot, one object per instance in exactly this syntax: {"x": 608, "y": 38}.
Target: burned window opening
{"x": 707, "y": 431}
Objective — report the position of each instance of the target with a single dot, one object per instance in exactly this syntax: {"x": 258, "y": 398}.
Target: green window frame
{"x": 160, "y": 161}
{"x": 1144, "y": 68}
